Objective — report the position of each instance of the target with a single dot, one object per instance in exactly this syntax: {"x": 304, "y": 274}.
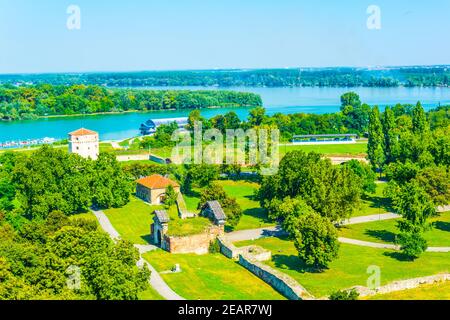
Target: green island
{"x": 45, "y": 100}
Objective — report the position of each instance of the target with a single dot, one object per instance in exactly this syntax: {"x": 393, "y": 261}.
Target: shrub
{"x": 345, "y": 295}
{"x": 214, "y": 246}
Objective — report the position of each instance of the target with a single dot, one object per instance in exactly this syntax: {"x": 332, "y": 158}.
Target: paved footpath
{"x": 253, "y": 234}
{"x": 372, "y": 218}
{"x": 155, "y": 279}
{"x": 387, "y": 246}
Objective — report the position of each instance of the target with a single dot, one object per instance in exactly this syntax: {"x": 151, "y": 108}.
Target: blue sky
{"x": 205, "y": 34}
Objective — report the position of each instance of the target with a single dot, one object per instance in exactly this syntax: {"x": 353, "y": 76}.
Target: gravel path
{"x": 155, "y": 279}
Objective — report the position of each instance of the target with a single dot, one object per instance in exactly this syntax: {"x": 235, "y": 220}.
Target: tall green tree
{"x": 110, "y": 186}
{"x": 375, "y": 149}
{"x": 316, "y": 241}
{"x": 419, "y": 120}
{"x": 332, "y": 191}
{"x": 390, "y": 135}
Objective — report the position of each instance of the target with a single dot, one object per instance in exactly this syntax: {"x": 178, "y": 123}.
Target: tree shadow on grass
{"x": 441, "y": 225}
{"x": 378, "y": 202}
{"x": 258, "y": 213}
{"x": 293, "y": 263}
{"x": 193, "y": 193}
{"x": 399, "y": 256}
{"x": 383, "y": 235}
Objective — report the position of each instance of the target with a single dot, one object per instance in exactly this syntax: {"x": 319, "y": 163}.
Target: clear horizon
{"x": 139, "y": 35}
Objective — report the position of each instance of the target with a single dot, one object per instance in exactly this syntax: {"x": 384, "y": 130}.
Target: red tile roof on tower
{"x": 82, "y": 132}
{"x": 157, "y": 181}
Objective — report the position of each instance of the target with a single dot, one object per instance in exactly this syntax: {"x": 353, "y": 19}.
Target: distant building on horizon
{"x": 85, "y": 143}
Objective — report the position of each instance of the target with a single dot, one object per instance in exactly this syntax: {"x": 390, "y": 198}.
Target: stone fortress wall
{"x": 198, "y": 244}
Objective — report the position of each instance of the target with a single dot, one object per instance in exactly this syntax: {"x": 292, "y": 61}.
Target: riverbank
{"x": 122, "y": 125}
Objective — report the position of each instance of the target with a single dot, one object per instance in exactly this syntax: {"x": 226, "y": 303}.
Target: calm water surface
{"x": 284, "y": 100}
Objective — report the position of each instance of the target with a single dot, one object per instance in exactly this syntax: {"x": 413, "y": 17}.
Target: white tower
{"x": 85, "y": 143}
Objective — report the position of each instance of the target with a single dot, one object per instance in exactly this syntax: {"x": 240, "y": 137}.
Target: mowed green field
{"x": 355, "y": 149}
{"x": 350, "y": 269}
{"x": 375, "y": 203}
{"x": 437, "y": 291}
{"x": 210, "y": 277}
{"x": 133, "y": 220}
{"x": 150, "y": 294}
{"x": 253, "y": 216}
{"x": 385, "y": 231}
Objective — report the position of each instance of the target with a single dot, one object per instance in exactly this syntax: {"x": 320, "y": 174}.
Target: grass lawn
{"x": 253, "y": 216}
{"x": 106, "y": 147}
{"x": 350, "y": 268}
{"x": 375, "y": 203}
{"x": 180, "y": 227}
{"x": 150, "y": 294}
{"x": 438, "y": 291}
{"x": 210, "y": 277}
{"x": 192, "y": 201}
{"x": 355, "y": 149}
{"x": 385, "y": 231}
{"x": 133, "y": 220}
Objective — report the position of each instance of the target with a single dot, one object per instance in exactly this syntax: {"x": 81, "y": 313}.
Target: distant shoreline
{"x": 55, "y": 116}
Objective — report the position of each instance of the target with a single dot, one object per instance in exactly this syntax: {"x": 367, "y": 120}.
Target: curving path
{"x": 372, "y": 218}
{"x": 253, "y": 234}
{"x": 386, "y": 246}
{"x": 156, "y": 281}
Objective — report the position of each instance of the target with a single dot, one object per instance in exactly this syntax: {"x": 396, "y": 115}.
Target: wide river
{"x": 283, "y": 100}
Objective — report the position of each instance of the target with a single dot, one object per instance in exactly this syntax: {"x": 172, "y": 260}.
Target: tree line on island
{"x": 30, "y": 102}
{"x": 432, "y": 76}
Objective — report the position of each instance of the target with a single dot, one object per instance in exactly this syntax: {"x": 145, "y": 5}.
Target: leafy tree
{"x": 287, "y": 211}
{"x": 419, "y": 120}
{"x": 229, "y": 205}
{"x": 202, "y": 174}
{"x": 414, "y": 204}
{"x": 412, "y": 244}
{"x": 390, "y": 135}
{"x": 351, "y": 99}
{"x": 170, "y": 198}
{"x": 35, "y": 263}
{"x": 344, "y": 295}
{"x": 435, "y": 181}
{"x": 316, "y": 240}
{"x": 257, "y": 116}
{"x": 365, "y": 173}
{"x": 110, "y": 186}
{"x": 332, "y": 191}
{"x": 375, "y": 145}
{"x": 232, "y": 120}
{"x": 51, "y": 179}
